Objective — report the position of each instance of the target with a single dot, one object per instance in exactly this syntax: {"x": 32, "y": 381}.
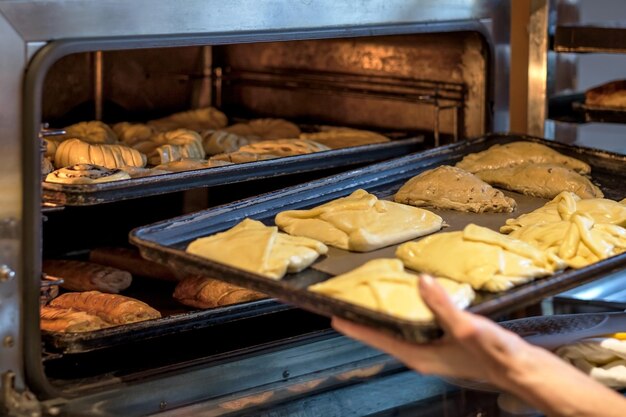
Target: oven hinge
{"x": 14, "y": 403}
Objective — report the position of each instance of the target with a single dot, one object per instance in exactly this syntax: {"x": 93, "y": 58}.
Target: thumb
{"x": 435, "y": 297}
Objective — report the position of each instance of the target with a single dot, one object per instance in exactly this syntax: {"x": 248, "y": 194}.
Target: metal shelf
{"x": 590, "y": 39}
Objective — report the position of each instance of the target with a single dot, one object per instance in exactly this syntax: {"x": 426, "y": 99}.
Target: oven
{"x": 425, "y": 73}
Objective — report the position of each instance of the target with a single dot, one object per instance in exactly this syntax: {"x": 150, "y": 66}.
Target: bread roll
{"x": 70, "y": 321}
{"x": 113, "y": 308}
{"x": 202, "y": 292}
{"x": 87, "y": 276}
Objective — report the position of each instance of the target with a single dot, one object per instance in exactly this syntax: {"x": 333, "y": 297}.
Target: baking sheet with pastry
{"x": 571, "y": 108}
{"x": 165, "y": 241}
{"x": 89, "y": 194}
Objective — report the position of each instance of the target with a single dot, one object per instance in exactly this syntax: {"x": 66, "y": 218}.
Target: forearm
{"x": 553, "y": 386}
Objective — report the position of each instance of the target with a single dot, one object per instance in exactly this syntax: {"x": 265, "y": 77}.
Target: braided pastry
{"x": 221, "y": 141}
{"x": 132, "y": 133}
{"x": 265, "y": 129}
{"x": 91, "y": 132}
{"x": 86, "y": 174}
{"x": 198, "y": 120}
{"x": 172, "y": 146}
{"x": 75, "y": 151}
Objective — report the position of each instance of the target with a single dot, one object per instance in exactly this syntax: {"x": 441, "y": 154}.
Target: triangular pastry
{"x": 479, "y": 256}
{"x": 360, "y": 222}
{"x": 516, "y": 153}
{"x": 452, "y": 188}
{"x": 383, "y": 285}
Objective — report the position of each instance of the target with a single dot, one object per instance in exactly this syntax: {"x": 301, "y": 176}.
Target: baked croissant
{"x": 86, "y": 174}
{"x": 75, "y": 151}
{"x": 198, "y": 120}
{"x": 91, "y": 132}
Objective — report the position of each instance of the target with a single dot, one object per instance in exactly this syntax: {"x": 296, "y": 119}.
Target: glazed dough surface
{"x": 383, "y": 285}
{"x": 540, "y": 180}
{"x": 479, "y": 256}
{"x": 516, "y": 153}
{"x": 564, "y": 205}
{"x": 257, "y": 248}
{"x": 360, "y": 222}
{"x": 452, "y": 188}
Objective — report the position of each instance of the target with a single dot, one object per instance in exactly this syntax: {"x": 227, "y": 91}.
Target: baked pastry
{"x": 202, "y": 292}
{"x": 51, "y": 145}
{"x": 86, "y": 174}
{"x": 452, "y": 188}
{"x": 130, "y": 260}
{"x": 336, "y": 138}
{"x": 611, "y": 95}
{"x": 220, "y": 141}
{"x": 112, "y": 308}
{"x": 87, "y": 276}
{"x": 139, "y": 172}
{"x": 564, "y": 205}
{"x": 132, "y": 133}
{"x": 239, "y": 157}
{"x": 360, "y": 222}
{"x": 257, "y": 248}
{"x": 485, "y": 259}
{"x": 577, "y": 239}
{"x": 540, "y": 180}
{"x": 91, "y": 132}
{"x": 265, "y": 129}
{"x": 46, "y": 166}
{"x": 517, "y": 153}
{"x": 382, "y": 285}
{"x": 69, "y": 321}
{"x": 190, "y": 165}
{"x": 284, "y": 147}
{"x": 197, "y": 120}
{"x": 170, "y": 146}
{"x": 75, "y": 151}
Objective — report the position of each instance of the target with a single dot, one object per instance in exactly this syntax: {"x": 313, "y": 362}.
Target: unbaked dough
{"x": 131, "y": 133}
{"x": 452, "y": 188}
{"x": 197, "y": 120}
{"x": 383, "y": 285}
{"x": 75, "y": 151}
{"x": 360, "y": 222}
{"x": 220, "y": 141}
{"x": 257, "y": 248}
{"x": 94, "y": 132}
{"x": 190, "y": 165}
{"x": 485, "y": 259}
{"x": 540, "y": 180}
{"x": 171, "y": 146}
{"x": 516, "y": 153}
{"x": 265, "y": 129}
{"x": 284, "y": 147}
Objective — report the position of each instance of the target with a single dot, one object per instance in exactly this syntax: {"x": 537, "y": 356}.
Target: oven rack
{"x": 441, "y": 95}
{"x": 571, "y": 108}
{"x": 590, "y": 38}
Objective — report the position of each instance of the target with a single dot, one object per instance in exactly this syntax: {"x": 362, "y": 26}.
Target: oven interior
{"x": 436, "y": 84}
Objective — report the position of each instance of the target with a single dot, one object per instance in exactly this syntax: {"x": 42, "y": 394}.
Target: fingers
{"x": 435, "y": 297}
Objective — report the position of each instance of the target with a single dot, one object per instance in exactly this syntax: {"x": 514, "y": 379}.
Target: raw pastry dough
{"x": 602, "y": 358}
{"x": 360, "y": 222}
{"x": 86, "y": 174}
{"x": 447, "y": 187}
{"x": 190, "y": 165}
{"x": 198, "y": 120}
{"x": 564, "y": 205}
{"x": 516, "y": 153}
{"x": 540, "y": 180}
{"x": 343, "y": 137}
{"x": 172, "y": 146}
{"x": 75, "y": 151}
{"x": 91, "y": 132}
{"x": 239, "y": 157}
{"x": 577, "y": 240}
{"x": 202, "y": 292}
{"x": 383, "y": 285}
{"x": 70, "y": 321}
{"x": 138, "y": 172}
{"x": 132, "y": 133}
{"x": 265, "y": 129}
{"x": 479, "y": 256}
{"x": 257, "y": 248}
{"x": 284, "y": 147}
{"x": 221, "y": 141}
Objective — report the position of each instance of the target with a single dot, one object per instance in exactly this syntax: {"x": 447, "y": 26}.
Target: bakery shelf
{"x": 590, "y": 38}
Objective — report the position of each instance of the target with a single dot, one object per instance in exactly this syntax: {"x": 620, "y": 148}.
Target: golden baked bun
{"x": 131, "y": 133}
{"x": 75, "y": 151}
{"x": 198, "y": 120}
{"x": 91, "y": 132}
{"x": 265, "y": 129}
{"x": 86, "y": 174}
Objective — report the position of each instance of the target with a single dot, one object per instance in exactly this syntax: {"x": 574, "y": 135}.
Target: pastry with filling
{"x": 382, "y": 285}
{"x": 75, "y": 151}
{"x": 132, "y": 133}
{"x": 265, "y": 129}
{"x": 257, "y": 248}
{"x": 577, "y": 239}
{"x": 239, "y": 157}
{"x": 284, "y": 147}
{"x": 88, "y": 276}
{"x": 94, "y": 132}
{"x": 220, "y": 141}
{"x": 564, "y": 205}
{"x": 196, "y": 120}
{"x": 171, "y": 146}
{"x": 69, "y": 321}
{"x": 610, "y": 95}
{"x": 517, "y": 153}
{"x": 139, "y": 172}
{"x": 202, "y": 292}
{"x": 112, "y": 308}
{"x": 540, "y": 180}
{"x": 190, "y": 165}
{"x": 485, "y": 259}
{"x": 343, "y": 137}
{"x": 452, "y": 188}
{"x": 360, "y": 222}
{"x": 86, "y": 174}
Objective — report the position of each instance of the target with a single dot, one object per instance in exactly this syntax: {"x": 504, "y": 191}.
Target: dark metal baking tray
{"x": 165, "y": 242}
{"x": 591, "y": 38}
{"x": 90, "y": 194}
{"x": 571, "y": 108}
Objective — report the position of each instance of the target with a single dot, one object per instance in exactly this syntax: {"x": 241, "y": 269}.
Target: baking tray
{"x": 165, "y": 241}
{"x": 90, "y": 194}
{"x": 605, "y": 38}
{"x": 571, "y": 108}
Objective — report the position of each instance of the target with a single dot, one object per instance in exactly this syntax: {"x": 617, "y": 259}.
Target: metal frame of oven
{"x": 35, "y": 34}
